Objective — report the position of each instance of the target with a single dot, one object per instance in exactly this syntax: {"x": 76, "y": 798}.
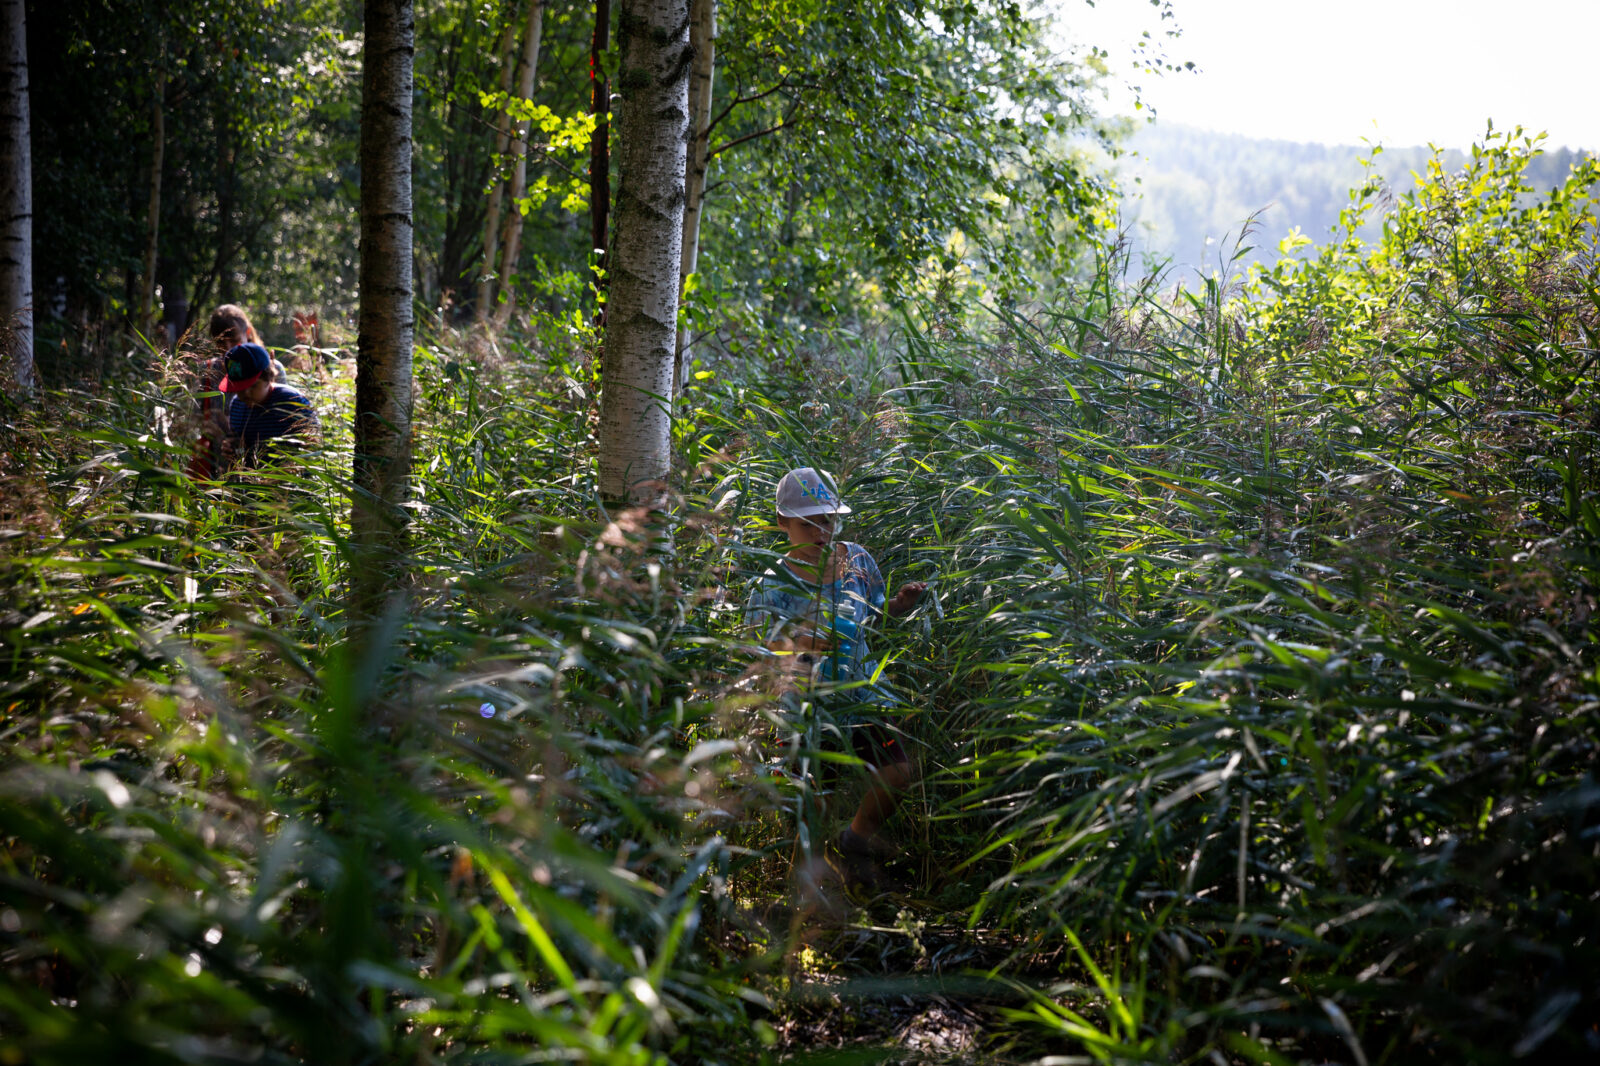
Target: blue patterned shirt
{"x": 782, "y": 602}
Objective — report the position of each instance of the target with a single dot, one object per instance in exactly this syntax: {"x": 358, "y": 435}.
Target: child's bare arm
{"x": 905, "y": 598}
{"x": 799, "y": 639}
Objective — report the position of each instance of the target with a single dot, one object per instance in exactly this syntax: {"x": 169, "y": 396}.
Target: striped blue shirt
{"x": 284, "y": 412}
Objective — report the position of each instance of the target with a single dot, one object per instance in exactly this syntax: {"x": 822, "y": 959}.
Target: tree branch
{"x": 787, "y": 122}
{"x": 737, "y": 100}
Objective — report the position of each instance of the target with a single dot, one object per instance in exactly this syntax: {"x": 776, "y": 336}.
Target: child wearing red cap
{"x": 260, "y": 410}
{"x": 229, "y": 326}
{"x": 819, "y": 605}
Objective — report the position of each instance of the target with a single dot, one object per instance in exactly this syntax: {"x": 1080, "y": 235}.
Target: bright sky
{"x": 1403, "y": 72}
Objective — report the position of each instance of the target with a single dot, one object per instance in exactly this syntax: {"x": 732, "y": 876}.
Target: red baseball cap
{"x": 244, "y": 363}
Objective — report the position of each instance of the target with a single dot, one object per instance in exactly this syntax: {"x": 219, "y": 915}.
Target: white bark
{"x": 703, "y": 39}
{"x": 16, "y": 193}
{"x": 502, "y": 143}
{"x": 512, "y": 244}
{"x": 600, "y": 142}
{"x": 642, "y": 306}
{"x": 382, "y": 465}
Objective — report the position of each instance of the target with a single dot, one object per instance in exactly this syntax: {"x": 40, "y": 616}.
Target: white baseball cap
{"x": 807, "y": 491}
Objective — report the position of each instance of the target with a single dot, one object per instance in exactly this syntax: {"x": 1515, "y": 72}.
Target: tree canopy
{"x": 852, "y": 144}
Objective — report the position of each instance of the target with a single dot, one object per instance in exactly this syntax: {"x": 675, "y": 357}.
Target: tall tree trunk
{"x": 382, "y": 465}
{"x": 703, "y": 39}
{"x": 225, "y": 202}
{"x": 497, "y": 188}
{"x": 642, "y": 306}
{"x": 152, "y": 224}
{"x": 599, "y": 141}
{"x": 519, "y": 174}
{"x": 453, "y": 277}
{"x": 231, "y": 237}
{"x": 16, "y": 194}
{"x": 174, "y": 300}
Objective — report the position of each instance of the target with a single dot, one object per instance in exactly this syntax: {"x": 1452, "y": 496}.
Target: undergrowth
{"x": 1255, "y": 691}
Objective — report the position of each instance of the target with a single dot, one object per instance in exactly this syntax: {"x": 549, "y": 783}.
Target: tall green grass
{"x": 1296, "y": 729}
{"x": 234, "y": 832}
{"x": 1255, "y": 690}
{"x": 1261, "y": 687}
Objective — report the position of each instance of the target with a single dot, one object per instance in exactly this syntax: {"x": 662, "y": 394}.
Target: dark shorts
{"x": 877, "y": 745}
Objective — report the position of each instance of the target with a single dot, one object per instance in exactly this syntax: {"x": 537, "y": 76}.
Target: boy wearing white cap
{"x": 817, "y": 605}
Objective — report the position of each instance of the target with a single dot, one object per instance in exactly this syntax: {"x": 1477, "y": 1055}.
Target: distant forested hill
{"x": 1187, "y": 192}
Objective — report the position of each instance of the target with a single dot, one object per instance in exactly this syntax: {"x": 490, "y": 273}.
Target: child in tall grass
{"x": 819, "y": 605}
{"x": 261, "y": 410}
{"x": 229, "y": 327}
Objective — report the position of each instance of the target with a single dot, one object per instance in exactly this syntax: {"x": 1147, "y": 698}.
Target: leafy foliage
{"x": 253, "y": 103}
{"x": 1300, "y": 707}
{"x": 854, "y": 148}
{"x": 234, "y": 832}
{"x": 1256, "y": 692}
{"x": 851, "y": 144}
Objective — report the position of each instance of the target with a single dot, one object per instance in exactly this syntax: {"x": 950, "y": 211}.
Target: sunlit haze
{"x": 1399, "y": 72}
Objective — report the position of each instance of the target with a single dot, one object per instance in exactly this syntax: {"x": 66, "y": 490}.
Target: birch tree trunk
{"x": 642, "y": 305}
{"x": 703, "y": 40}
{"x": 599, "y": 140}
{"x": 16, "y": 194}
{"x": 152, "y": 223}
{"x": 502, "y": 144}
{"x": 382, "y": 465}
{"x": 512, "y": 244}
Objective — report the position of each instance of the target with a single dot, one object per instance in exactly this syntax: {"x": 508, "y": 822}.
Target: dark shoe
{"x": 856, "y": 853}
{"x": 877, "y": 847}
